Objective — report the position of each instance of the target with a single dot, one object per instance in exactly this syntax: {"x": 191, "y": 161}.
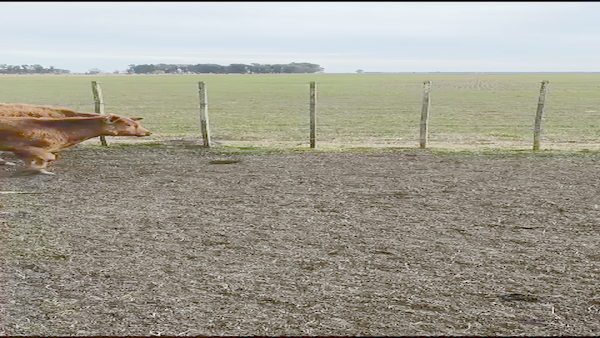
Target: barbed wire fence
{"x": 461, "y": 112}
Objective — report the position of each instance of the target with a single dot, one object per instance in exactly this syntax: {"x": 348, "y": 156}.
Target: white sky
{"x": 339, "y": 36}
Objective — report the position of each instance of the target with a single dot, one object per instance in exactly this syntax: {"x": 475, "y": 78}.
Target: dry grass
{"x": 143, "y": 240}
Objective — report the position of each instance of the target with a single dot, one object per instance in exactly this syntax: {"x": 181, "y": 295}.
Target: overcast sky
{"x": 339, "y": 36}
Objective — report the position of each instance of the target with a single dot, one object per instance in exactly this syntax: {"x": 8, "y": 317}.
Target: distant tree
{"x": 257, "y": 68}
{"x": 237, "y": 68}
{"x": 38, "y": 69}
{"x": 303, "y": 67}
{"x": 209, "y": 68}
{"x": 288, "y": 68}
{"x": 360, "y": 71}
{"x": 144, "y": 69}
{"x": 94, "y": 71}
{"x": 217, "y": 69}
{"x": 277, "y": 68}
{"x": 29, "y": 69}
{"x": 162, "y": 68}
{"x": 14, "y": 69}
{"x": 116, "y": 72}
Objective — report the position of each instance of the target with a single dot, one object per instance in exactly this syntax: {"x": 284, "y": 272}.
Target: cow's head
{"x": 115, "y": 125}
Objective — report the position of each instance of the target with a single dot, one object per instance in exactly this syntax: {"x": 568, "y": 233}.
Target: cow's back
{"x": 27, "y": 110}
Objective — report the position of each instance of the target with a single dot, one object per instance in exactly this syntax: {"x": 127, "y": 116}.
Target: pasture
{"x": 164, "y": 238}
{"x": 467, "y": 110}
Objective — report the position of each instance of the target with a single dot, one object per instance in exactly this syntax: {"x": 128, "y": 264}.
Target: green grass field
{"x": 467, "y": 110}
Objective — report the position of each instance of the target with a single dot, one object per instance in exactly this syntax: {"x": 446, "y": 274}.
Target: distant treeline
{"x": 30, "y": 69}
{"x": 235, "y": 68}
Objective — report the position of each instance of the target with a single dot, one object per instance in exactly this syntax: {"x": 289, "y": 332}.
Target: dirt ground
{"x": 163, "y": 240}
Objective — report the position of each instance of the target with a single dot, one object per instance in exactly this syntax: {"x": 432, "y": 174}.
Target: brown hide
{"x": 35, "y": 139}
{"x": 24, "y": 110}
{"x": 27, "y": 110}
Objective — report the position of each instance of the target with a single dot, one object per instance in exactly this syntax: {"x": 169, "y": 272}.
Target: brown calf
{"x": 35, "y": 139}
{"x": 28, "y": 110}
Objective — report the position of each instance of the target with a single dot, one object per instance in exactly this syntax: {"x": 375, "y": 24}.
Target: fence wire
{"x": 475, "y": 110}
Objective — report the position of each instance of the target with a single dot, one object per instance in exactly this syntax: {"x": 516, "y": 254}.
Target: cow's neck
{"x": 80, "y": 130}
{"x": 78, "y": 137}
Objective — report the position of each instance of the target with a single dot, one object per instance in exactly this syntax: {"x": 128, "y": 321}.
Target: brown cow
{"x": 35, "y": 139}
{"x": 28, "y": 110}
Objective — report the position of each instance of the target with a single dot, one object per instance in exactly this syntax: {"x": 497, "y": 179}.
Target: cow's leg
{"x": 36, "y": 160}
{"x": 4, "y": 162}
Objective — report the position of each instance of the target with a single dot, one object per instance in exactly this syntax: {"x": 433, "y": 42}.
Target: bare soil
{"x": 172, "y": 240}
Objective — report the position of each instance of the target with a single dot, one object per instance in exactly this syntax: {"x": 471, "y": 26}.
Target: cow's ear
{"x": 136, "y": 118}
{"x": 110, "y": 119}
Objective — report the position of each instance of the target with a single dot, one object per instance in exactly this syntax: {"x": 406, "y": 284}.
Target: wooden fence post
{"x": 425, "y": 114}
{"x": 98, "y": 105}
{"x": 539, "y": 116}
{"x": 204, "y": 129}
{"x": 313, "y": 113}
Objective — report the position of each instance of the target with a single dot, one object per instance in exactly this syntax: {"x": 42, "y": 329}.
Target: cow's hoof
{"x": 45, "y": 172}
